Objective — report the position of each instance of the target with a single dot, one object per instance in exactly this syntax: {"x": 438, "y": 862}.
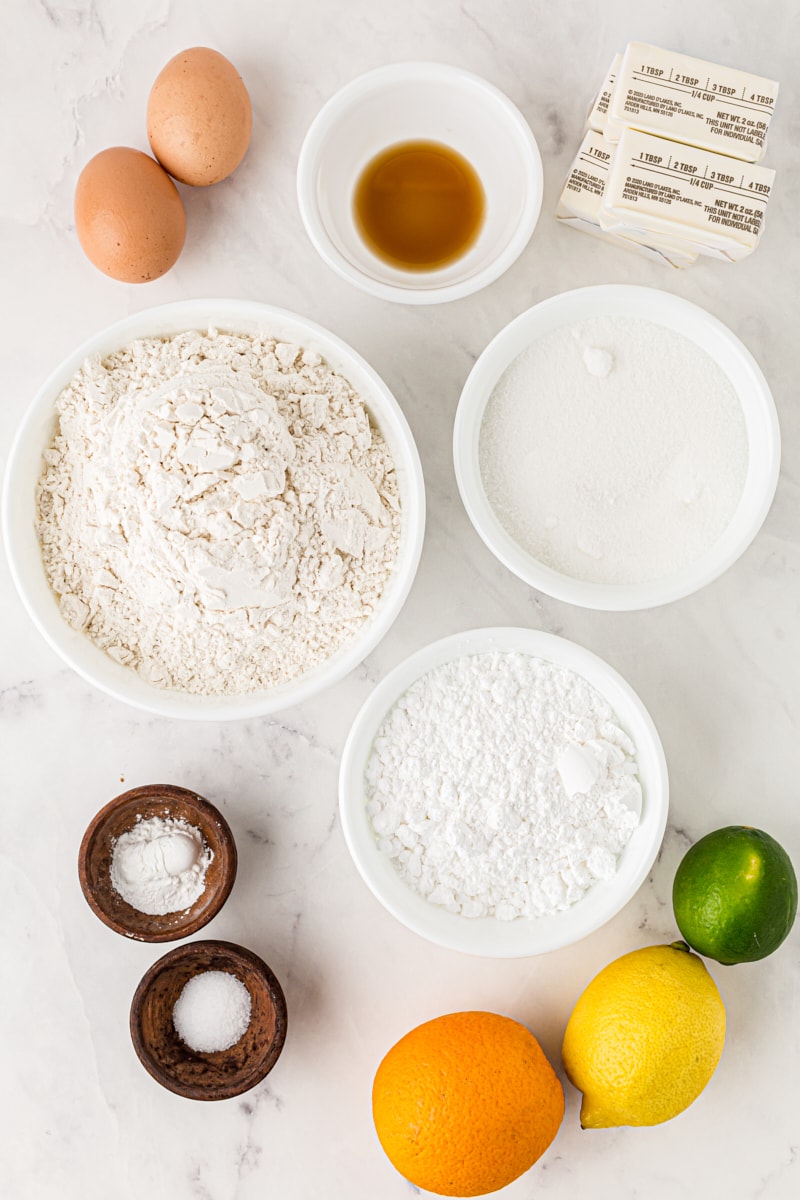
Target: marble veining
{"x": 718, "y": 671}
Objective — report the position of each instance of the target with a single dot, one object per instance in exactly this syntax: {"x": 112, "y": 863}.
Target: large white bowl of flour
{"x": 481, "y": 741}
{"x": 616, "y": 447}
{"x": 215, "y": 578}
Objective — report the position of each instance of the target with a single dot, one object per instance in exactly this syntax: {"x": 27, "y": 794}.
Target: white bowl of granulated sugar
{"x": 214, "y": 509}
{"x": 616, "y": 447}
{"x": 503, "y": 792}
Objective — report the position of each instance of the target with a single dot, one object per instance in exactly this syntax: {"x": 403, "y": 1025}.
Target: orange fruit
{"x": 466, "y": 1103}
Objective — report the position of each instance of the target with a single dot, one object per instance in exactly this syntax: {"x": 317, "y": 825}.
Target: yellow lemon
{"x": 644, "y": 1038}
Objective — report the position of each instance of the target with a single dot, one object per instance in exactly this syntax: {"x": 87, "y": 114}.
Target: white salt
{"x": 614, "y": 451}
{"x": 212, "y": 1012}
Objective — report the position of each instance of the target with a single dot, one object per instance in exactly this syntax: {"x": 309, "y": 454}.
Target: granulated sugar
{"x": 614, "y": 451}
{"x": 502, "y": 785}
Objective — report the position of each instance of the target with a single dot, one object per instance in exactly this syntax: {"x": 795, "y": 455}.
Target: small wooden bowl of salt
{"x": 157, "y": 863}
{"x": 208, "y": 1020}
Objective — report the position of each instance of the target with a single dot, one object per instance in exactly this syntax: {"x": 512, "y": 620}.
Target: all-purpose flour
{"x": 502, "y": 785}
{"x": 614, "y": 451}
{"x": 217, "y": 510}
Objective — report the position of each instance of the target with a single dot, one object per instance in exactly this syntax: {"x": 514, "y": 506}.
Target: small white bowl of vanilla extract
{"x": 419, "y": 183}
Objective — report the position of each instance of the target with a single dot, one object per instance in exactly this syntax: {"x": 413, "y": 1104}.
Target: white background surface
{"x": 718, "y": 671}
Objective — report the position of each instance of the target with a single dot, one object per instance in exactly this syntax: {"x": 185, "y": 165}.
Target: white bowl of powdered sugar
{"x": 214, "y": 509}
{"x": 616, "y": 447}
{"x": 503, "y": 792}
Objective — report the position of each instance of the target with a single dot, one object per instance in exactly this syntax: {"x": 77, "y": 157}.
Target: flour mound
{"x": 217, "y": 511}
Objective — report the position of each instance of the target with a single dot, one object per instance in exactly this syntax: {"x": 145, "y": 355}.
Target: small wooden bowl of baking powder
{"x": 119, "y": 816}
{"x": 209, "y": 1075}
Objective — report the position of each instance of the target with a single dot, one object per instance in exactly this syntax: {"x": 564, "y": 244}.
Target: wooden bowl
{"x": 118, "y": 816}
{"x": 223, "y": 1073}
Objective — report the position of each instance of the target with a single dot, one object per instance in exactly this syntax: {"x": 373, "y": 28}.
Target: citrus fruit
{"x": 644, "y": 1038}
{"x": 466, "y": 1103}
{"x": 735, "y": 895}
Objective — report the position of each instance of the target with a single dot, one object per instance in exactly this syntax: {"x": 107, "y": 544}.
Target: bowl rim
{"x": 657, "y": 306}
{"x": 342, "y": 100}
{"x": 152, "y": 792}
{"x": 189, "y": 951}
{"x": 486, "y": 936}
{"x": 160, "y": 320}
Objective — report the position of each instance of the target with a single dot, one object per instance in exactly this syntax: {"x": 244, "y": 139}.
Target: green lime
{"x": 735, "y": 895}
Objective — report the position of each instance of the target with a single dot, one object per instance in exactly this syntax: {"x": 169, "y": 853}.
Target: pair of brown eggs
{"x": 129, "y": 215}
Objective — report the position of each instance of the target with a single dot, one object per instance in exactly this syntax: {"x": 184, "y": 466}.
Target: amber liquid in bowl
{"x": 419, "y": 205}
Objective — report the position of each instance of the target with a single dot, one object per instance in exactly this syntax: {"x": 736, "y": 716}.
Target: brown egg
{"x": 199, "y": 117}
{"x": 128, "y": 215}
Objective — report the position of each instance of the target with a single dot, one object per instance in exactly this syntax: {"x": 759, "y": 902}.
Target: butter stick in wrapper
{"x": 692, "y": 101}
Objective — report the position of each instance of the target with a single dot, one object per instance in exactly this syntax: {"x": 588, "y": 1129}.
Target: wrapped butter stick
{"x": 660, "y": 188}
{"x": 689, "y": 100}
{"x": 582, "y": 198}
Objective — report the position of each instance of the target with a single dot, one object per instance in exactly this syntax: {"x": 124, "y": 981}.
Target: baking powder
{"x": 614, "y": 451}
{"x": 217, "y": 511}
{"x": 502, "y": 785}
{"x": 159, "y": 865}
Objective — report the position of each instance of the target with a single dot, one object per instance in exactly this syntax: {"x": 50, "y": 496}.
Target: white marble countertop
{"x": 719, "y": 671}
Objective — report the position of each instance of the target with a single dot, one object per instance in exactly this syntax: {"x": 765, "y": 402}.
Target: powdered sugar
{"x": 614, "y": 451}
{"x": 502, "y": 785}
{"x": 217, "y": 510}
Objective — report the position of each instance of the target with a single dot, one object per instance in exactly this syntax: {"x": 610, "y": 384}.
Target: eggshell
{"x": 199, "y": 117}
{"x": 129, "y": 216}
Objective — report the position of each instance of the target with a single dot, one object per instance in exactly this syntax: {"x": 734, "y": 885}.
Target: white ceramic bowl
{"x": 488, "y": 936}
{"x": 673, "y": 313}
{"x": 430, "y": 101}
{"x": 25, "y": 465}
